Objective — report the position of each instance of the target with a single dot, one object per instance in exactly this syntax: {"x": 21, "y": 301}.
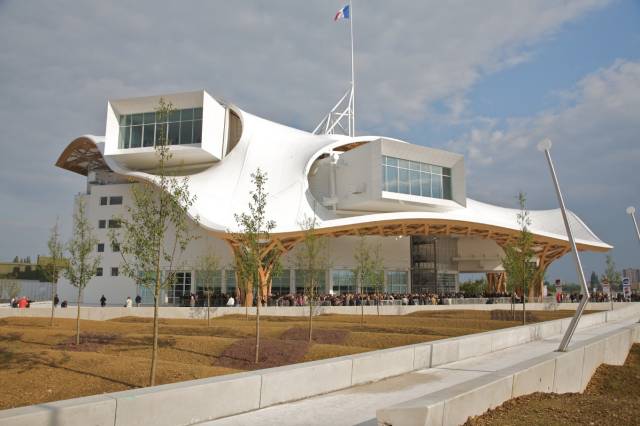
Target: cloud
{"x": 595, "y": 151}
{"x": 60, "y": 62}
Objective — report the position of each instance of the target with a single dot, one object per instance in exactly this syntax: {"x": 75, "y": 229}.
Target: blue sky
{"x": 486, "y": 79}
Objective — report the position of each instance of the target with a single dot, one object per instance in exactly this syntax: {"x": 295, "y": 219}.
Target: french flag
{"x": 342, "y": 13}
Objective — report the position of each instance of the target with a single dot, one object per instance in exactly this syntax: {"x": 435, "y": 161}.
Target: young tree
{"x": 157, "y": 230}
{"x": 53, "y": 266}
{"x": 518, "y": 261}
{"x": 368, "y": 270}
{"x": 312, "y": 260}
{"x": 610, "y": 273}
{"x": 256, "y": 255}
{"x": 208, "y": 270}
{"x": 82, "y": 264}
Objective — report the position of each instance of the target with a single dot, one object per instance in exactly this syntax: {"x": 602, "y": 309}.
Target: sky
{"x": 485, "y": 79}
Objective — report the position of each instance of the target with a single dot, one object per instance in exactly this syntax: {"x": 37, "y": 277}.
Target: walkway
{"x": 358, "y": 405}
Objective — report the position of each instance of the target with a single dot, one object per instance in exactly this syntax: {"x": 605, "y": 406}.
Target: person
{"x": 63, "y": 304}
{"x": 192, "y": 300}
{"x": 138, "y": 301}
{"x": 103, "y": 301}
{"x": 231, "y": 301}
{"x": 14, "y": 302}
{"x": 56, "y": 300}
{"x": 22, "y": 303}
{"x": 128, "y": 304}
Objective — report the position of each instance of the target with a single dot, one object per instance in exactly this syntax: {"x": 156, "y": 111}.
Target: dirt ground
{"x": 611, "y": 398}
{"x": 39, "y": 363}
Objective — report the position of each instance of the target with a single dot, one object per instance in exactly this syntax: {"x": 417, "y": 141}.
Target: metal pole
{"x": 353, "y": 80}
{"x": 545, "y": 146}
{"x": 631, "y": 211}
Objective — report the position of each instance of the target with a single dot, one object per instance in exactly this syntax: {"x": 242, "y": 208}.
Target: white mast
{"x": 353, "y": 79}
{"x": 333, "y": 122}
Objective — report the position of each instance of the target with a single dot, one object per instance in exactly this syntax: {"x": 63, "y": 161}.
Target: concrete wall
{"x": 107, "y": 313}
{"x": 558, "y": 372}
{"x": 232, "y": 394}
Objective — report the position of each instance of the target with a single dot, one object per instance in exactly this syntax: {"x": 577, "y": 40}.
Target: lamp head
{"x": 631, "y": 210}
{"x": 544, "y": 145}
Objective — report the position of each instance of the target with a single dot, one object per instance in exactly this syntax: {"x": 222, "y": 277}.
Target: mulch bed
{"x": 611, "y": 398}
{"x": 325, "y": 336}
{"x": 273, "y": 353}
{"x": 89, "y": 342}
{"x": 507, "y": 315}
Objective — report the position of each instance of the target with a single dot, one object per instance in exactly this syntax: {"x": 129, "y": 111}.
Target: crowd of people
{"x": 349, "y": 299}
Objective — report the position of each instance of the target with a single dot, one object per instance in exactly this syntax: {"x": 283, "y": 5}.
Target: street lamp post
{"x": 545, "y": 146}
{"x": 631, "y": 211}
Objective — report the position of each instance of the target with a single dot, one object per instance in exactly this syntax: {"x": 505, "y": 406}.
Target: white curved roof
{"x": 286, "y": 154}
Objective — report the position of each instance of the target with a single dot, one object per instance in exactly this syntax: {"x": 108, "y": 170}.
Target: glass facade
{"x": 344, "y": 281}
{"x": 415, "y": 178}
{"x": 216, "y": 281}
{"x": 397, "y": 282}
{"x": 301, "y": 281}
{"x": 230, "y": 281}
{"x": 180, "y": 127}
{"x": 178, "y": 294}
{"x": 280, "y": 283}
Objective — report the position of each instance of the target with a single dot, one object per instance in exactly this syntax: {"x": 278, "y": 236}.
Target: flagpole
{"x": 353, "y": 81}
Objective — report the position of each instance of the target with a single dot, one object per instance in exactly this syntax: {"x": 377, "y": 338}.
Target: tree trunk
{"x": 53, "y": 306}
{"x": 524, "y": 310}
{"x": 362, "y": 312}
{"x": 208, "y": 309}
{"x": 310, "y": 319}
{"x": 156, "y": 326}
{"x": 78, "y": 316}
{"x": 378, "y": 303}
{"x": 258, "y": 303}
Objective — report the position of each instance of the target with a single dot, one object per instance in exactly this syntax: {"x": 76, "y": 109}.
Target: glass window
{"x": 403, "y": 181}
{"x": 397, "y": 282}
{"x": 186, "y": 132}
{"x": 115, "y": 247}
{"x": 211, "y": 280}
{"x": 446, "y": 187}
{"x": 174, "y": 133}
{"x": 103, "y": 201}
{"x": 136, "y": 137}
{"x": 98, "y": 272}
{"x": 425, "y": 183}
{"x": 146, "y": 129}
{"x": 280, "y": 283}
{"x": 147, "y": 136}
{"x": 230, "y": 280}
{"x": 187, "y": 114}
{"x": 114, "y": 272}
{"x": 149, "y": 117}
{"x": 115, "y": 200}
{"x": 414, "y": 180}
{"x": 344, "y": 281}
{"x": 114, "y": 223}
{"x": 102, "y": 224}
{"x": 197, "y": 131}
{"x": 301, "y": 281}
{"x": 174, "y": 116}
{"x": 391, "y": 179}
{"x": 136, "y": 119}
{"x": 436, "y": 186}
{"x": 100, "y": 247}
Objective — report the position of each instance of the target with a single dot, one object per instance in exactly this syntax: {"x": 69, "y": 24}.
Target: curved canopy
{"x": 286, "y": 155}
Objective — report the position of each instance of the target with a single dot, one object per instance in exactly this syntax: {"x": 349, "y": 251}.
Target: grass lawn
{"x": 39, "y": 363}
